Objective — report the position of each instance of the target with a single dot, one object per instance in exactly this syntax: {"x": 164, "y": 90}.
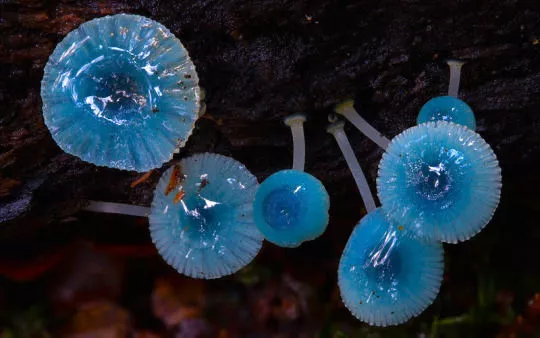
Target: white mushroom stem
{"x": 336, "y": 129}
{"x": 346, "y": 109}
{"x": 296, "y": 123}
{"x": 117, "y": 208}
{"x": 455, "y": 76}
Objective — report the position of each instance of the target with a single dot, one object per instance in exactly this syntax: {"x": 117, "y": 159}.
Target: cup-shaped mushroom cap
{"x": 291, "y": 207}
{"x": 386, "y": 276}
{"x": 201, "y": 218}
{"x": 120, "y": 91}
{"x": 440, "y": 179}
{"x": 449, "y": 109}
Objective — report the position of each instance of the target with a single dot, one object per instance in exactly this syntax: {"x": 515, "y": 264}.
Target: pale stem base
{"x": 355, "y": 168}
{"x": 299, "y": 146}
{"x": 117, "y": 208}
{"x": 366, "y": 128}
{"x": 455, "y": 76}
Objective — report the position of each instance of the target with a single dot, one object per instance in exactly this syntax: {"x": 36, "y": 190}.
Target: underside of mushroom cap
{"x": 441, "y": 180}
{"x": 201, "y": 217}
{"x": 385, "y": 276}
{"x": 291, "y": 207}
{"x": 121, "y": 91}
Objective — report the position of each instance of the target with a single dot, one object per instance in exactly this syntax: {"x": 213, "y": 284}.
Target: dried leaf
{"x": 175, "y": 180}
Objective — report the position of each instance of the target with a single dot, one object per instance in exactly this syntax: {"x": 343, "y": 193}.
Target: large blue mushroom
{"x": 440, "y": 180}
{"x": 201, "y": 217}
{"x": 121, "y": 91}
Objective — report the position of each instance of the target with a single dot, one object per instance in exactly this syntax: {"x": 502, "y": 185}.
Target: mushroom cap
{"x": 291, "y": 207}
{"x": 449, "y": 109}
{"x": 386, "y": 276}
{"x": 201, "y": 217}
{"x": 441, "y": 179}
{"x": 121, "y": 91}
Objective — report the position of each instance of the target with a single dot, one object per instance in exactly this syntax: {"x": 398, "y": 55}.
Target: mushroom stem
{"x": 117, "y": 208}
{"x": 455, "y": 75}
{"x": 295, "y": 122}
{"x": 346, "y": 108}
{"x": 336, "y": 129}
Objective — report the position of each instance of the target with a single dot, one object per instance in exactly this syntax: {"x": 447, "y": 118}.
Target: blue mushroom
{"x": 386, "y": 276}
{"x": 441, "y": 180}
{"x": 121, "y": 91}
{"x": 447, "y": 108}
{"x": 201, "y": 218}
{"x": 291, "y": 206}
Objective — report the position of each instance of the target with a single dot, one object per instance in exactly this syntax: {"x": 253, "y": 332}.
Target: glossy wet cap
{"x": 201, "y": 217}
{"x": 385, "y": 276}
{"x": 291, "y": 207}
{"x": 441, "y": 179}
{"x": 121, "y": 91}
{"x": 449, "y": 109}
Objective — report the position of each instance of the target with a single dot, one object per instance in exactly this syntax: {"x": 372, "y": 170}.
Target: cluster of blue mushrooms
{"x": 386, "y": 276}
{"x": 121, "y": 91}
{"x": 291, "y": 206}
{"x": 437, "y": 182}
{"x": 201, "y": 218}
{"x": 441, "y": 178}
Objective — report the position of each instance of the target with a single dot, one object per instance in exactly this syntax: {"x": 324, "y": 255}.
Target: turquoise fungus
{"x": 441, "y": 180}
{"x": 201, "y": 218}
{"x": 385, "y": 275}
{"x": 449, "y": 108}
{"x": 121, "y": 91}
{"x": 291, "y": 206}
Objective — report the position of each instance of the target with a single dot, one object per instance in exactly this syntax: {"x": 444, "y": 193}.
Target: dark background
{"x": 64, "y": 271}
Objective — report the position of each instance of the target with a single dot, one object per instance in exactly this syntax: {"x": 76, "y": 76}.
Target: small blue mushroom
{"x": 449, "y": 108}
{"x": 440, "y": 179}
{"x": 121, "y": 91}
{"x": 291, "y": 206}
{"x": 201, "y": 218}
{"x": 385, "y": 276}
